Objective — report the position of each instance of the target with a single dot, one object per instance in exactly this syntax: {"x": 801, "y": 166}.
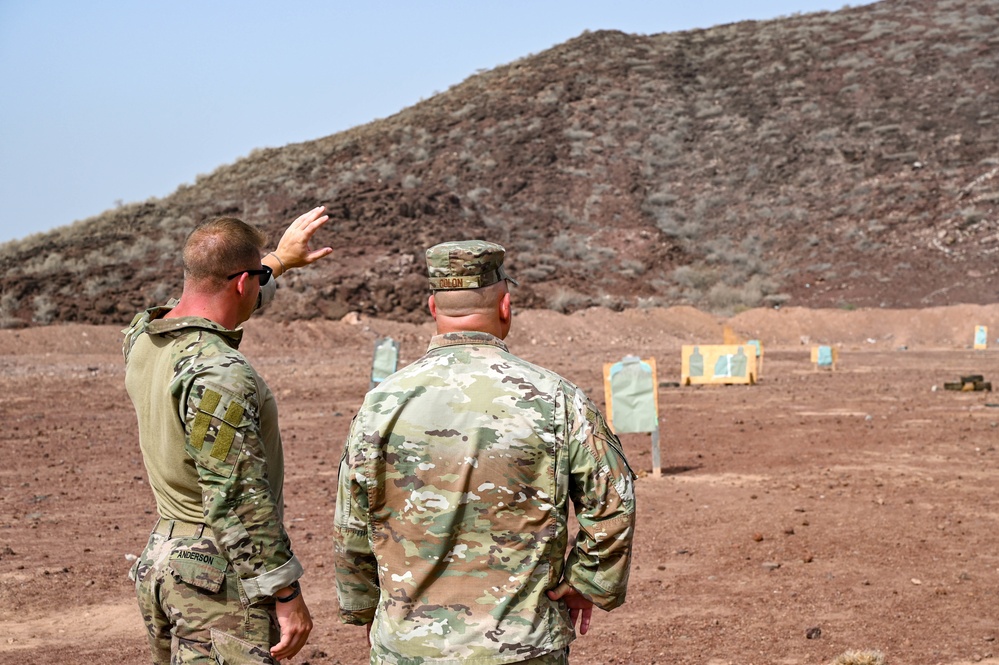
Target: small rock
{"x": 813, "y": 633}
{"x": 758, "y": 537}
{"x": 771, "y": 565}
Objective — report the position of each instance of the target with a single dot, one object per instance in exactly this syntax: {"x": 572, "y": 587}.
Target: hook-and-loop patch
{"x": 218, "y": 419}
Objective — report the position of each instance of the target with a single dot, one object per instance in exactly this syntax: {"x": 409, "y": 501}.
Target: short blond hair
{"x": 220, "y": 247}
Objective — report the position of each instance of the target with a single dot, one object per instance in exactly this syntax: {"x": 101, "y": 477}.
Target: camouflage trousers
{"x": 193, "y": 604}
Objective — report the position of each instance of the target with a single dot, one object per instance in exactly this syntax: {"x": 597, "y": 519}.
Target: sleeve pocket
{"x": 217, "y": 429}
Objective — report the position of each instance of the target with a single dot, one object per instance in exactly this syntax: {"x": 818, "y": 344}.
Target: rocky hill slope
{"x": 839, "y": 159}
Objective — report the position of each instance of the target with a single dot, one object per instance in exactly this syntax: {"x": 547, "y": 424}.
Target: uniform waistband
{"x": 179, "y": 528}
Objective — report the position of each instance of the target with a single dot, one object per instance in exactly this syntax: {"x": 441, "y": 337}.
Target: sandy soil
{"x": 814, "y": 513}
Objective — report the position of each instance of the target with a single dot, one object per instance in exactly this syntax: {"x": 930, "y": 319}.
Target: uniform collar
{"x": 466, "y": 337}
{"x": 159, "y": 326}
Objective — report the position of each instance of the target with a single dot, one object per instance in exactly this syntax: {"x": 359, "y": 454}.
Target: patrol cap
{"x": 466, "y": 264}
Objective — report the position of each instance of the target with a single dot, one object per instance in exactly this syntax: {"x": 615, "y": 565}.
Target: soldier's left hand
{"x": 295, "y": 623}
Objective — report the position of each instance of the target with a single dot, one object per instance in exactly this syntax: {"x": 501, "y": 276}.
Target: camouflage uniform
{"x": 209, "y": 437}
{"x": 452, "y": 515}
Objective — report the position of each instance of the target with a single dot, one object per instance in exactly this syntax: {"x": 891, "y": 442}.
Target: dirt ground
{"x": 811, "y": 514}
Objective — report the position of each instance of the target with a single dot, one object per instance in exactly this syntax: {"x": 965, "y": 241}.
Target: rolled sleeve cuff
{"x": 605, "y": 599}
{"x": 266, "y": 585}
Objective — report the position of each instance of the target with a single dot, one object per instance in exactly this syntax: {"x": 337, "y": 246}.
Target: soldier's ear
{"x": 432, "y": 304}
{"x": 240, "y": 283}
{"x": 505, "y": 309}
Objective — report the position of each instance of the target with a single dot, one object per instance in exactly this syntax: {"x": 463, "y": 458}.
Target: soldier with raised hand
{"x": 452, "y": 534}
{"x": 217, "y": 581}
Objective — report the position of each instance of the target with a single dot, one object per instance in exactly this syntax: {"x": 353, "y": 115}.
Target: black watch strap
{"x": 291, "y": 596}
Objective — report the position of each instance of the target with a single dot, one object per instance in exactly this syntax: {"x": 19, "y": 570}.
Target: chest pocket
{"x": 217, "y": 429}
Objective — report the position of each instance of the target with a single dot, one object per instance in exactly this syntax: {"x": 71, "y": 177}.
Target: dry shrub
{"x": 860, "y": 658}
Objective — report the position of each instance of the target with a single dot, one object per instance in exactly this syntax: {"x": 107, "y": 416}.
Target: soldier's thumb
{"x": 559, "y": 591}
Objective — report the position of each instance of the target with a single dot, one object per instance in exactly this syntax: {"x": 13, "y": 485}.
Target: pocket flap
{"x": 199, "y": 569}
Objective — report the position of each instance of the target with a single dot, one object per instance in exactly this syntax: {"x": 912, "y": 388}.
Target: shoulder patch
{"x": 206, "y": 407}
{"x": 227, "y": 432}
{"x": 217, "y": 428}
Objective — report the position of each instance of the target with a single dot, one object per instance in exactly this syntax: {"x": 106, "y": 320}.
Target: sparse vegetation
{"x": 724, "y": 168}
{"x": 860, "y": 658}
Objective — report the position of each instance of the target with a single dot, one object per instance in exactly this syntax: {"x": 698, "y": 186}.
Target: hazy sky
{"x": 106, "y": 101}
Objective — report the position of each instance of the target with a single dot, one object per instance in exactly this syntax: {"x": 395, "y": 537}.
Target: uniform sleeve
{"x": 355, "y": 565}
{"x": 222, "y": 422}
{"x": 603, "y": 493}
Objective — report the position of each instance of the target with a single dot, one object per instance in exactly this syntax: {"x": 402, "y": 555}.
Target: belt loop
{"x": 179, "y": 529}
{"x": 164, "y": 527}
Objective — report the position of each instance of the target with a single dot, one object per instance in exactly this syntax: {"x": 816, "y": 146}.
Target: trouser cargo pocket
{"x": 229, "y": 650}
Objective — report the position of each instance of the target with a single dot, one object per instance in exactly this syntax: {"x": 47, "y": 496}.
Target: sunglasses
{"x": 265, "y": 274}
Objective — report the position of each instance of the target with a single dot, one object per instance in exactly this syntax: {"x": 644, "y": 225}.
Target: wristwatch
{"x": 291, "y": 596}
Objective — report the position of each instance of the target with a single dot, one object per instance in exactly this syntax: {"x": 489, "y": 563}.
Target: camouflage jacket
{"x": 209, "y": 437}
{"x": 452, "y": 514}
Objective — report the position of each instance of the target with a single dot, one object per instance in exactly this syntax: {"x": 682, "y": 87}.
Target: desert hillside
{"x": 841, "y": 159}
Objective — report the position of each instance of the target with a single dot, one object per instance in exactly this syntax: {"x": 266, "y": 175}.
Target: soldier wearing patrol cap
{"x": 452, "y": 535}
{"x": 218, "y": 581}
